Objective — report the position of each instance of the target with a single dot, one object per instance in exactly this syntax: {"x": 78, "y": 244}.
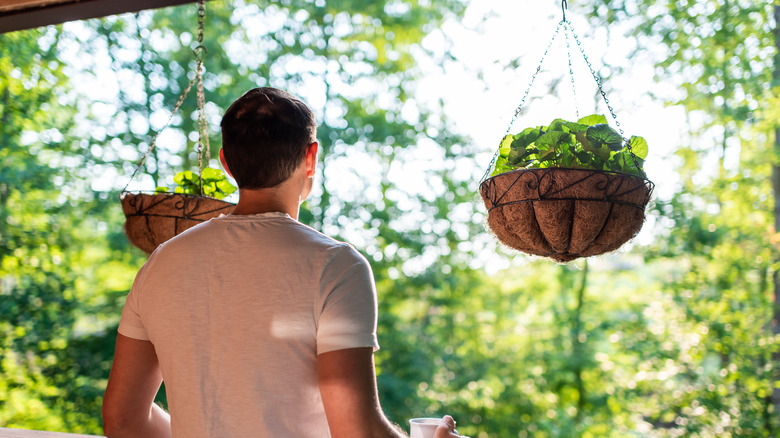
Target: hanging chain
{"x": 598, "y": 82}
{"x": 203, "y": 134}
{"x": 154, "y": 139}
{"x": 201, "y": 101}
{"x": 571, "y": 69}
{"x": 533, "y": 78}
{"x": 564, "y": 6}
{"x": 606, "y": 101}
{"x": 567, "y": 28}
{"x": 566, "y": 24}
{"x": 519, "y": 108}
{"x": 201, "y": 20}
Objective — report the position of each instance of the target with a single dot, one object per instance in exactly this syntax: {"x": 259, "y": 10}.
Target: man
{"x": 259, "y": 325}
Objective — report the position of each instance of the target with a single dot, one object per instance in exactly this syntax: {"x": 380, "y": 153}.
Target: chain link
{"x": 564, "y": 6}
{"x": 201, "y": 19}
{"x": 203, "y": 135}
{"x": 566, "y": 25}
{"x": 522, "y": 101}
{"x": 606, "y": 101}
{"x": 571, "y": 70}
{"x": 598, "y": 82}
{"x": 154, "y": 139}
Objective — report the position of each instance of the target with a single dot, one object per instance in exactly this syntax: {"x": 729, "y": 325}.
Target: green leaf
{"x": 566, "y": 126}
{"x": 586, "y": 159}
{"x": 210, "y": 173}
{"x": 628, "y": 164}
{"x": 225, "y": 187}
{"x": 214, "y": 182}
{"x": 597, "y": 149}
{"x": 594, "y": 119}
{"x": 590, "y": 143}
{"x": 526, "y": 137}
{"x": 576, "y": 127}
{"x": 514, "y": 147}
{"x": 557, "y": 125}
{"x": 501, "y": 166}
{"x": 553, "y": 139}
{"x": 161, "y": 189}
{"x": 638, "y": 146}
{"x": 505, "y": 146}
{"x": 517, "y": 156}
{"x": 603, "y": 134}
{"x": 547, "y": 154}
{"x": 184, "y": 177}
{"x": 615, "y": 163}
{"x": 210, "y": 189}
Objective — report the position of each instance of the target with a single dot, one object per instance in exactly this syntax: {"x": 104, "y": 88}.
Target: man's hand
{"x": 446, "y": 429}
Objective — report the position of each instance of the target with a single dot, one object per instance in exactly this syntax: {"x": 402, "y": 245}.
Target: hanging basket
{"x": 154, "y": 218}
{"x": 563, "y": 213}
{"x": 559, "y": 212}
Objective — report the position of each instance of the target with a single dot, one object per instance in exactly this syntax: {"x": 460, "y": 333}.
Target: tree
{"x": 668, "y": 341}
{"x": 722, "y": 55}
{"x": 354, "y": 61}
{"x": 52, "y": 258}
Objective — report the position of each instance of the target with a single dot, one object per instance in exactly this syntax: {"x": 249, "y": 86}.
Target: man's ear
{"x": 311, "y": 159}
{"x": 222, "y": 160}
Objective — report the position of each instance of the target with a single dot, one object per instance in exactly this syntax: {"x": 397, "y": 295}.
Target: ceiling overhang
{"x": 28, "y": 14}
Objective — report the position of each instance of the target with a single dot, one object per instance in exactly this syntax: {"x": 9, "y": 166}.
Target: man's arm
{"x": 128, "y": 404}
{"x": 347, "y": 380}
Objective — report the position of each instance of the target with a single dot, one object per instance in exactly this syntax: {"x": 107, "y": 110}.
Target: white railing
{"x": 21, "y": 433}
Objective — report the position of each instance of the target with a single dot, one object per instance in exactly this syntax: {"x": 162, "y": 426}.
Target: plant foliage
{"x": 215, "y": 183}
{"x": 590, "y": 143}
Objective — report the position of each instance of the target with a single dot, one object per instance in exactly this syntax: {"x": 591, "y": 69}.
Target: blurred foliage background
{"x": 678, "y": 337}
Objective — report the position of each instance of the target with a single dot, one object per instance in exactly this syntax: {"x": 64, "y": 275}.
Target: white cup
{"x": 423, "y": 427}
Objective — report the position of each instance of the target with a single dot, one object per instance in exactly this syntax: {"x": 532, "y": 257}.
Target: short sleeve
{"x": 348, "y": 310}
{"x": 130, "y": 323}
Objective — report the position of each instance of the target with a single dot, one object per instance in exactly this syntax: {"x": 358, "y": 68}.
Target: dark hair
{"x": 265, "y": 135}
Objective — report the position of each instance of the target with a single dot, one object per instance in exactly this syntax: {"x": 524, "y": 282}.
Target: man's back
{"x": 259, "y": 325}
{"x": 238, "y": 309}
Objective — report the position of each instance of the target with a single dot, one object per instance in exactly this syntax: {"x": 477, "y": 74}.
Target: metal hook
{"x": 198, "y": 50}
{"x": 564, "y": 6}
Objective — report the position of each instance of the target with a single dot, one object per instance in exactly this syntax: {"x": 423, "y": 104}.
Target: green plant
{"x": 215, "y": 183}
{"x": 590, "y": 143}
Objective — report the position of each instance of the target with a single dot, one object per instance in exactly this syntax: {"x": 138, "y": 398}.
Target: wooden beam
{"x": 28, "y": 14}
{"x": 15, "y": 5}
{"x": 11, "y": 5}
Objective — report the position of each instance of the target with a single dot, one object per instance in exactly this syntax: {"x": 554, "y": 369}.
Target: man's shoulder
{"x": 311, "y": 233}
{"x": 337, "y": 249}
{"x": 276, "y": 232}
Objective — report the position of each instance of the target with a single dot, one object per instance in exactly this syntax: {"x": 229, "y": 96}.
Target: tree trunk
{"x": 579, "y": 349}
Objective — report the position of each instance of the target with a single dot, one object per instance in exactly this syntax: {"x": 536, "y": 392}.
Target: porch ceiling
{"x": 27, "y": 14}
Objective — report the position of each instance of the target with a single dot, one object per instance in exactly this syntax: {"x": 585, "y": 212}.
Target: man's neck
{"x": 256, "y": 201}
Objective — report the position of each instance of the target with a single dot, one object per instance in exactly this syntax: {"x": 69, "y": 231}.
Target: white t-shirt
{"x": 238, "y": 309}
